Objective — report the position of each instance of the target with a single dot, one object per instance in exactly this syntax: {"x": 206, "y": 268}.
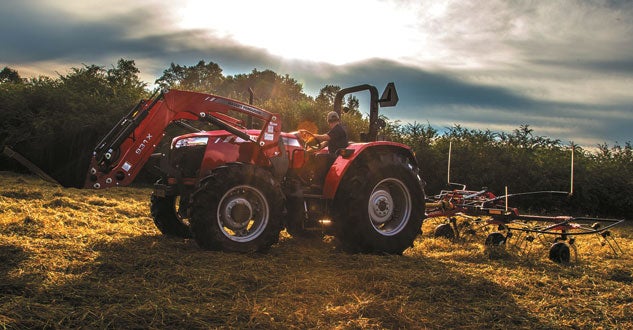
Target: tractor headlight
{"x": 191, "y": 142}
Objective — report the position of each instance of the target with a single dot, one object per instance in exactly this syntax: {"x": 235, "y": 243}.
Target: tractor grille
{"x": 187, "y": 160}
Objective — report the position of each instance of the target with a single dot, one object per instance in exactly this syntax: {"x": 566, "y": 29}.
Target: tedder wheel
{"x": 444, "y": 230}
{"x": 379, "y": 207}
{"x": 495, "y": 245}
{"x": 559, "y": 253}
{"x": 238, "y": 209}
{"x": 495, "y": 239}
{"x": 166, "y": 216}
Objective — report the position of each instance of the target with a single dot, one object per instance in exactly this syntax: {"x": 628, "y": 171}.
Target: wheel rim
{"x": 389, "y": 206}
{"x": 243, "y": 213}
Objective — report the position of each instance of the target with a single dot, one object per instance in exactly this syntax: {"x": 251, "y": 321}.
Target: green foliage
{"x": 352, "y": 119}
{"x": 278, "y": 94}
{"x": 8, "y": 75}
{"x": 522, "y": 162}
{"x": 607, "y": 181}
{"x": 202, "y": 77}
{"x": 56, "y": 118}
{"x": 56, "y": 122}
{"x": 87, "y": 97}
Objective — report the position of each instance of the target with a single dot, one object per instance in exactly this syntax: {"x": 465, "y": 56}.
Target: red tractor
{"x": 234, "y": 188}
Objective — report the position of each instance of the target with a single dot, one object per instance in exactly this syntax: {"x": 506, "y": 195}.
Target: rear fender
{"x": 351, "y": 154}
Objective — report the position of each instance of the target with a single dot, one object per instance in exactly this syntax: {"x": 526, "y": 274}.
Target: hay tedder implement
{"x": 483, "y": 211}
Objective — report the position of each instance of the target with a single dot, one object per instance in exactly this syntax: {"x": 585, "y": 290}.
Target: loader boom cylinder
{"x": 122, "y": 130}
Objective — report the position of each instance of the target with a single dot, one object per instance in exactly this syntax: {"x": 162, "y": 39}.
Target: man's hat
{"x": 332, "y": 116}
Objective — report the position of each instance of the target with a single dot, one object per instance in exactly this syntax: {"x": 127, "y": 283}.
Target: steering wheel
{"x": 310, "y": 142}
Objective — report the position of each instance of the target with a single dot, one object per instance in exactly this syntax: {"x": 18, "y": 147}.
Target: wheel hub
{"x": 237, "y": 214}
{"x": 381, "y": 206}
{"x": 389, "y": 206}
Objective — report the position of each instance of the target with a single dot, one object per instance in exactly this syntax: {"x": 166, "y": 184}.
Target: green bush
{"x": 57, "y": 122}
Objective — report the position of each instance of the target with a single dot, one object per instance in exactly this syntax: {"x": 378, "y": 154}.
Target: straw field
{"x": 93, "y": 259}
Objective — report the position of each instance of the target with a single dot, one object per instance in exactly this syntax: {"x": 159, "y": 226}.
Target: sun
{"x": 335, "y": 32}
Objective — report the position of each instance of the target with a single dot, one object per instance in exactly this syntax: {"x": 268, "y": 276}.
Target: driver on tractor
{"x": 335, "y": 138}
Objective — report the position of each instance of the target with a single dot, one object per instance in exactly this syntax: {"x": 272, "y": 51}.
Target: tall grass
{"x": 93, "y": 259}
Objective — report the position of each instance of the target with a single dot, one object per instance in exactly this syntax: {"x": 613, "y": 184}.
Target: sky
{"x": 564, "y": 67}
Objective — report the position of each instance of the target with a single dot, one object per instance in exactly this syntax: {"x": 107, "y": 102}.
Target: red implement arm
{"x": 121, "y": 154}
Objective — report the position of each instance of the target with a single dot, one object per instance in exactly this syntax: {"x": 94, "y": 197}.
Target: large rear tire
{"x": 166, "y": 217}
{"x": 238, "y": 209}
{"x": 379, "y": 207}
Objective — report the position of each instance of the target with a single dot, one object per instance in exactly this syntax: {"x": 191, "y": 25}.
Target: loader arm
{"x": 122, "y": 153}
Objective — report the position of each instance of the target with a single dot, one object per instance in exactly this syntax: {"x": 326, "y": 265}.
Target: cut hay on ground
{"x": 93, "y": 259}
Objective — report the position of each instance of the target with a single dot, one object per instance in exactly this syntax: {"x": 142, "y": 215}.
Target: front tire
{"x": 237, "y": 209}
{"x": 380, "y": 205}
{"x": 166, "y": 217}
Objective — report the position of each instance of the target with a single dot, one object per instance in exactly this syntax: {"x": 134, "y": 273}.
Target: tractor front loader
{"x": 234, "y": 188}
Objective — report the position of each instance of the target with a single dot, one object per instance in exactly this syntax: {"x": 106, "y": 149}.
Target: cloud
{"x": 35, "y": 34}
{"x": 444, "y": 98}
{"x": 562, "y": 67}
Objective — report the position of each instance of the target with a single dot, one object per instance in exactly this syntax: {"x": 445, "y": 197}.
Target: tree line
{"x": 56, "y": 120}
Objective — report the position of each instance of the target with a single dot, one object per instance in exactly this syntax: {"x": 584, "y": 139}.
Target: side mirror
{"x": 389, "y": 97}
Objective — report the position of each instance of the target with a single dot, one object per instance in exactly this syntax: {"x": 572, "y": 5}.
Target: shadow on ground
{"x": 158, "y": 282}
